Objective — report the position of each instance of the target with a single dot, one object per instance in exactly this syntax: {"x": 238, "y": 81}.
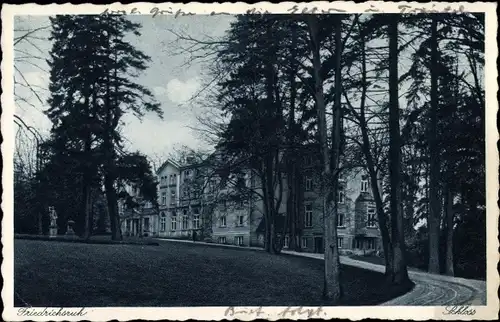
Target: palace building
{"x": 196, "y": 198}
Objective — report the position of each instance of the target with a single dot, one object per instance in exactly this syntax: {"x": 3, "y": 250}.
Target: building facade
{"x": 193, "y": 199}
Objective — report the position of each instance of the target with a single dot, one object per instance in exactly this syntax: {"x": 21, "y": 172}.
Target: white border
{"x": 217, "y": 313}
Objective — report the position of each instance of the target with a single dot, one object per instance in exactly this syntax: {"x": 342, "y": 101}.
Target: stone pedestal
{"x": 69, "y": 230}
{"x": 52, "y": 231}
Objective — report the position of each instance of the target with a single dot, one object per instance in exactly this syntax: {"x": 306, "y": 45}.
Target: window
{"x": 222, "y": 240}
{"x": 172, "y": 197}
{"x": 304, "y": 242}
{"x": 340, "y": 220}
{"x": 370, "y": 243}
{"x": 308, "y": 215}
{"x": 364, "y": 185}
{"x": 196, "y": 222}
{"x": 163, "y": 222}
{"x": 286, "y": 242}
{"x": 128, "y": 224}
{"x": 371, "y": 220}
{"x": 223, "y": 221}
{"x": 241, "y": 220}
{"x": 173, "y": 222}
{"x": 308, "y": 183}
{"x": 359, "y": 243}
{"x": 196, "y": 211}
{"x": 163, "y": 198}
{"x": 340, "y": 242}
{"x": 146, "y": 224}
{"x": 238, "y": 240}
{"x": 341, "y": 194}
{"x": 185, "y": 222}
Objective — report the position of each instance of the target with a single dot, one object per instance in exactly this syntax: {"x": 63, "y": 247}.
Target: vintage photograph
{"x": 171, "y": 159}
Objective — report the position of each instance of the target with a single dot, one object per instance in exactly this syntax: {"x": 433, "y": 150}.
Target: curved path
{"x": 430, "y": 289}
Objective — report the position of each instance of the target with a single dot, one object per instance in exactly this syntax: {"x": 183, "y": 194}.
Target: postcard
{"x": 234, "y": 161}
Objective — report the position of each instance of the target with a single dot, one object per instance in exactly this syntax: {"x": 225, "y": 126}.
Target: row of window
{"x": 171, "y": 179}
{"x": 184, "y": 222}
{"x": 238, "y": 240}
{"x": 240, "y": 221}
{"x": 164, "y": 198}
{"x": 357, "y": 243}
{"x": 371, "y": 221}
{"x": 364, "y": 188}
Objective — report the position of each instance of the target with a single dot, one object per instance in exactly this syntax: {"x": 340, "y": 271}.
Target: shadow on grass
{"x": 179, "y": 274}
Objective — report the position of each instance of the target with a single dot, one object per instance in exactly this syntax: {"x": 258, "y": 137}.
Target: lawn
{"x": 178, "y": 274}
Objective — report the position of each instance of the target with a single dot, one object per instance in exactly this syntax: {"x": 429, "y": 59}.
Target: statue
{"x": 53, "y": 222}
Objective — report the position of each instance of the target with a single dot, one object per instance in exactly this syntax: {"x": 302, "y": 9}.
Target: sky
{"x": 172, "y": 82}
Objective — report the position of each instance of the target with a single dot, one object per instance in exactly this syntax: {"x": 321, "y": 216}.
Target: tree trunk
{"x": 87, "y": 170}
{"x": 111, "y": 198}
{"x": 86, "y": 208}
{"x": 40, "y": 225}
{"x": 298, "y": 205}
{"x": 291, "y": 208}
{"x": 292, "y": 141}
{"x": 366, "y": 147}
{"x": 398, "y": 245}
{"x": 449, "y": 233}
{"x": 109, "y": 157}
{"x": 434, "y": 204}
{"x": 331, "y": 287}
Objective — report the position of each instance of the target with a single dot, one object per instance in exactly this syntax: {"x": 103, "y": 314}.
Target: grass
{"x": 178, "y": 274}
{"x": 98, "y": 239}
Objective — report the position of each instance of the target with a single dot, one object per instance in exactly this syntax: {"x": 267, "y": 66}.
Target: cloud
{"x": 159, "y": 91}
{"x": 151, "y": 136}
{"x": 180, "y": 92}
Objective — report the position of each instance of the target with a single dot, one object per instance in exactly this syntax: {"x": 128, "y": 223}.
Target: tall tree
{"x": 435, "y": 211}
{"x": 398, "y": 242}
{"x": 99, "y": 84}
{"x": 330, "y": 162}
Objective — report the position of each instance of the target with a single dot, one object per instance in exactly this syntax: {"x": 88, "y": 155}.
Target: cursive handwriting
{"x": 404, "y": 8}
{"x": 296, "y": 9}
{"x": 301, "y": 311}
{"x": 232, "y": 311}
{"x": 459, "y": 310}
{"x": 28, "y": 311}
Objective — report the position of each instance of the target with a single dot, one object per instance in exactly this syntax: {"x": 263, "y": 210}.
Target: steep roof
{"x": 168, "y": 161}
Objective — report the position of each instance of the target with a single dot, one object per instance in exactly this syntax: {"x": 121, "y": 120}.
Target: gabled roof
{"x": 169, "y": 161}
